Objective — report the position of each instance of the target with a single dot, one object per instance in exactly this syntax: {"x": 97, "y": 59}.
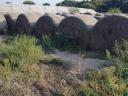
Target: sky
{"x": 52, "y": 2}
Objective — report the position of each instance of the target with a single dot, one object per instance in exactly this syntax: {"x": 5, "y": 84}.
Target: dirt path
{"x": 79, "y": 63}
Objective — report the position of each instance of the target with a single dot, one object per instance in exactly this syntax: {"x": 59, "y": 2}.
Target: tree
{"x": 46, "y": 4}
{"x": 88, "y": 5}
{"x": 29, "y": 2}
{"x": 8, "y": 2}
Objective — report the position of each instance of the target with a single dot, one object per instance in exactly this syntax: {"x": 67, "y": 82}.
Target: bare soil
{"x": 79, "y": 64}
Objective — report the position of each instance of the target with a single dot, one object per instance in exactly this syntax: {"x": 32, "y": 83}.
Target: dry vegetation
{"x": 26, "y": 69}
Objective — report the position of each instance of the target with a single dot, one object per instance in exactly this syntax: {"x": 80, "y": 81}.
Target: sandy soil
{"x": 79, "y": 64}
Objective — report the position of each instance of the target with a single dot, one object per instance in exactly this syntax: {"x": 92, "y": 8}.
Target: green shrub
{"x": 73, "y": 10}
{"x": 21, "y": 51}
{"x": 57, "y": 61}
{"x": 46, "y": 4}
{"x": 63, "y": 42}
{"x": 88, "y": 5}
{"x": 119, "y": 54}
{"x": 18, "y": 62}
{"x": 29, "y": 2}
{"x": 106, "y": 82}
{"x": 111, "y": 80}
{"x": 114, "y": 10}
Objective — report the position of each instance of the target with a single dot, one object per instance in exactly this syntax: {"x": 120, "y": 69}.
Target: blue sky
{"x": 53, "y": 2}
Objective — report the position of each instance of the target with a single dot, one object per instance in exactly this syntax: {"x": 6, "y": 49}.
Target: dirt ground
{"x": 79, "y": 64}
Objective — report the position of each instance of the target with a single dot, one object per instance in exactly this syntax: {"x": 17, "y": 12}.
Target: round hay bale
{"x": 11, "y": 20}
{"x": 3, "y": 25}
{"x": 78, "y": 27}
{"x": 47, "y": 24}
{"x": 22, "y": 24}
{"x": 107, "y": 31}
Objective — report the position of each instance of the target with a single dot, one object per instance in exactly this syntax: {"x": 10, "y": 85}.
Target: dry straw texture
{"x": 11, "y": 20}
{"x": 108, "y": 30}
{"x": 22, "y": 24}
{"x": 47, "y": 24}
{"x": 3, "y": 25}
{"x": 78, "y": 26}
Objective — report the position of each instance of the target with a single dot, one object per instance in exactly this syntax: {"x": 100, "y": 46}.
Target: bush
{"x": 29, "y": 2}
{"x": 21, "y": 51}
{"x": 73, "y": 10}
{"x": 18, "y": 63}
{"x": 119, "y": 54}
{"x": 106, "y": 82}
{"x": 114, "y": 10}
{"x": 46, "y": 4}
{"x": 111, "y": 80}
{"x": 88, "y": 5}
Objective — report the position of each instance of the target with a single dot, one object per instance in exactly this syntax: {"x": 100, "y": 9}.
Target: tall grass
{"x": 111, "y": 80}
{"x": 19, "y": 59}
{"x": 21, "y": 51}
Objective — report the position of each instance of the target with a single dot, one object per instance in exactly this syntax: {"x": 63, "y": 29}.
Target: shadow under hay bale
{"x": 3, "y": 25}
{"x": 11, "y": 20}
{"x": 77, "y": 27}
{"x": 22, "y": 25}
{"x": 46, "y": 25}
{"x": 107, "y": 31}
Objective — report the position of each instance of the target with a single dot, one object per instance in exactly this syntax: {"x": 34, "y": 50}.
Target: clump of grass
{"x": 105, "y": 82}
{"x": 111, "y": 80}
{"x": 19, "y": 61}
{"x": 119, "y": 54}
{"x": 73, "y": 10}
{"x": 56, "y": 61}
{"x": 21, "y": 51}
{"x": 114, "y": 10}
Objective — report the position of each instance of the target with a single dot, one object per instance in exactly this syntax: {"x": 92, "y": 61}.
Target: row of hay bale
{"x": 23, "y": 23}
{"x": 95, "y": 35}
{"x": 108, "y": 30}
{"x": 92, "y": 34}
{"x": 78, "y": 27}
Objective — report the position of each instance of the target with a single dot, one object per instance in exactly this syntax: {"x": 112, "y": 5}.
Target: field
{"x": 63, "y": 55}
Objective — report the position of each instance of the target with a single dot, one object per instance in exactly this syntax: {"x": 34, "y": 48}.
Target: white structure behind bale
{"x": 22, "y": 25}
{"x": 11, "y": 20}
{"x": 107, "y": 31}
{"x": 99, "y": 16}
{"x": 32, "y": 18}
{"x": 3, "y": 25}
{"x": 47, "y": 24}
{"x": 78, "y": 27}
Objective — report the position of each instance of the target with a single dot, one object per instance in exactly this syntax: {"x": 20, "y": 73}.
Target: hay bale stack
{"x": 22, "y": 25}
{"x": 78, "y": 27}
{"x": 3, "y": 25}
{"x": 47, "y": 24}
{"x": 108, "y": 30}
{"x": 11, "y": 20}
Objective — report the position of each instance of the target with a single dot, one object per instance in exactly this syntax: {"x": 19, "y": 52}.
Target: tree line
{"x": 98, "y": 5}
